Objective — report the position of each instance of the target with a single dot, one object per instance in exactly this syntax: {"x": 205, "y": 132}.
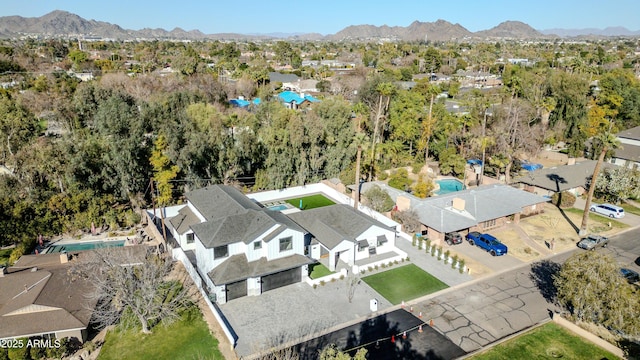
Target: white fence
{"x": 178, "y": 254}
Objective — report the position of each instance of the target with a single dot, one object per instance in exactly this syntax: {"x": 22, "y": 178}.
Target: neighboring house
{"x": 239, "y": 247}
{"x": 341, "y": 233}
{"x": 301, "y": 85}
{"x": 477, "y": 209}
{"x": 39, "y": 297}
{"x": 628, "y": 154}
{"x": 294, "y": 101}
{"x": 548, "y": 181}
{"x": 275, "y": 77}
{"x": 240, "y": 102}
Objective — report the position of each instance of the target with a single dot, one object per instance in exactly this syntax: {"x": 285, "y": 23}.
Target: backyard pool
{"x": 449, "y": 186}
{"x": 279, "y": 207}
{"x": 71, "y": 247}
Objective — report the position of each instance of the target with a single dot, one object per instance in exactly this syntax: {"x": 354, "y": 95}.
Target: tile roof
{"x": 237, "y": 268}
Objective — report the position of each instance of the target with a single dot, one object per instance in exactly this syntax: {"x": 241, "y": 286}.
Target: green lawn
{"x": 318, "y": 271}
{"x": 188, "y": 338}
{"x": 549, "y": 341}
{"x": 404, "y": 283}
{"x": 310, "y": 202}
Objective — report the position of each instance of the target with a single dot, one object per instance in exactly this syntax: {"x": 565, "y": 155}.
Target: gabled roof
{"x": 184, "y": 220}
{"x": 219, "y": 201}
{"x": 633, "y": 133}
{"x": 232, "y": 217}
{"x": 335, "y": 223}
{"x": 561, "y": 178}
{"x": 283, "y": 78}
{"x": 628, "y": 152}
{"x": 237, "y": 268}
{"x": 35, "y": 301}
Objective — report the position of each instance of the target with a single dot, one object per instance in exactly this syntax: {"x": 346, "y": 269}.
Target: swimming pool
{"x": 449, "y": 186}
{"x": 84, "y": 246}
{"x": 279, "y": 207}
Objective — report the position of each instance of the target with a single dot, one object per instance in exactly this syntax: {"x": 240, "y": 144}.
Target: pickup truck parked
{"x": 487, "y": 242}
{"x": 593, "y": 241}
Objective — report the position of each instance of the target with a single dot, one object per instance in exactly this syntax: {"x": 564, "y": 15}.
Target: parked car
{"x": 593, "y": 241}
{"x": 609, "y": 210}
{"x": 487, "y": 242}
{"x": 453, "y": 238}
{"x": 631, "y": 276}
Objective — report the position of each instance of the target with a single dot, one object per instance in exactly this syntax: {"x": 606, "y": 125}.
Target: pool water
{"x": 449, "y": 186}
{"x": 278, "y": 207}
{"x": 84, "y": 246}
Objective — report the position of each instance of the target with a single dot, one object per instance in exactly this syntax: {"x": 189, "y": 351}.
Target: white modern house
{"x": 341, "y": 233}
{"x": 240, "y": 248}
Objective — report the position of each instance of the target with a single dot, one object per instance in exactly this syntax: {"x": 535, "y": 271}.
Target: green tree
{"x": 451, "y": 163}
{"x": 332, "y": 353}
{"x": 422, "y": 188}
{"x": 163, "y": 171}
{"x": 378, "y": 199}
{"x": 618, "y": 184}
{"x": 590, "y": 286}
{"x": 17, "y": 128}
{"x": 399, "y": 179}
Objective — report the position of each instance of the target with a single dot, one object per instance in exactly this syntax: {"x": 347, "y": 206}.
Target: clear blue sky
{"x": 331, "y": 16}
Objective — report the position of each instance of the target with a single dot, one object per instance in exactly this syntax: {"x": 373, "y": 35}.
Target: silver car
{"x": 593, "y": 241}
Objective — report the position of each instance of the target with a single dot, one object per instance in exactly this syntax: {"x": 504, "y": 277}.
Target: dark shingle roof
{"x": 335, "y": 223}
{"x": 232, "y": 217}
{"x": 237, "y": 268}
{"x": 633, "y": 133}
{"x": 219, "y": 201}
{"x": 184, "y": 220}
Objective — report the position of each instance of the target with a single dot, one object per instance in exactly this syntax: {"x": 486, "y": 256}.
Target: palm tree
{"x": 608, "y": 141}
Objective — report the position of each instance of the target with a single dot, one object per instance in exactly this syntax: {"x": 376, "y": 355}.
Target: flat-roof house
{"x": 341, "y": 233}
{"x": 240, "y": 248}
{"x": 480, "y": 208}
{"x": 628, "y": 154}
{"x": 38, "y": 297}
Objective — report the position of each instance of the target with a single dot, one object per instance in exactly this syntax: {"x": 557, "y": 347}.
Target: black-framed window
{"x": 286, "y": 244}
{"x": 190, "y": 238}
{"x": 220, "y": 251}
{"x": 257, "y": 245}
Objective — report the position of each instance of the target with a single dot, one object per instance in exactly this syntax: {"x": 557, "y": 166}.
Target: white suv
{"x": 609, "y": 210}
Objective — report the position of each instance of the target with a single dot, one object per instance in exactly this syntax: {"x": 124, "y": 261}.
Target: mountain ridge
{"x": 60, "y": 23}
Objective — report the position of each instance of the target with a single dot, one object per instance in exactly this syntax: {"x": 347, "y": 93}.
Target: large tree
{"x": 132, "y": 280}
{"x": 590, "y": 286}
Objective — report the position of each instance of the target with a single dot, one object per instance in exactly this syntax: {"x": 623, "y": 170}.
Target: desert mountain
{"x": 64, "y": 24}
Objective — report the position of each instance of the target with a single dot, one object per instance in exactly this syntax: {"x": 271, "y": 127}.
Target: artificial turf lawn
{"x": 310, "y": 202}
{"x": 187, "y": 338}
{"x": 318, "y": 271}
{"x": 549, "y": 341}
{"x": 404, "y": 283}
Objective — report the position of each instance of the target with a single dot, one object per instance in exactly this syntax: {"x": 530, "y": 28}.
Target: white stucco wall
{"x": 273, "y": 246}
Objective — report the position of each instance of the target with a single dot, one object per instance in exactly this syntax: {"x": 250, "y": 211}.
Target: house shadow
{"x": 557, "y": 179}
{"x": 542, "y": 275}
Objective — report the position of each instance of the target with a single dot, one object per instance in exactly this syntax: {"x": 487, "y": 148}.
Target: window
{"x": 220, "y": 251}
{"x": 257, "y": 245}
{"x": 286, "y": 244}
{"x": 190, "y": 238}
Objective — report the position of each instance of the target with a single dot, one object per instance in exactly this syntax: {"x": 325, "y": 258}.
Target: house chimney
{"x": 458, "y": 204}
{"x": 64, "y": 258}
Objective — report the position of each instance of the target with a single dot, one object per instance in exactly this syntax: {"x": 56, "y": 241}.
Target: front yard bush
{"x": 564, "y": 199}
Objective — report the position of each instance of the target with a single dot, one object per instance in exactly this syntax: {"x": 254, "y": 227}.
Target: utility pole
{"x": 164, "y": 229}
{"x": 355, "y": 203}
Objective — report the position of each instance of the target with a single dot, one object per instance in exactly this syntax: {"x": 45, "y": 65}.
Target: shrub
{"x": 408, "y": 259}
{"x": 370, "y": 269}
{"x": 400, "y": 179}
{"x": 447, "y": 254}
{"x": 333, "y": 280}
{"x": 416, "y": 167}
{"x": 376, "y": 267}
{"x": 361, "y": 271}
{"x": 342, "y": 277}
{"x": 383, "y": 265}
{"x": 322, "y": 283}
{"x": 564, "y": 199}
{"x": 315, "y": 286}
{"x": 383, "y": 176}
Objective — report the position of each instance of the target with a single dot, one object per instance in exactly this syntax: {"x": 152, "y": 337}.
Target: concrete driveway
{"x": 494, "y": 263}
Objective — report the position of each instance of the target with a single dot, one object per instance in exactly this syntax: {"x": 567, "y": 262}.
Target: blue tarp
{"x": 530, "y": 166}
{"x": 474, "y": 162}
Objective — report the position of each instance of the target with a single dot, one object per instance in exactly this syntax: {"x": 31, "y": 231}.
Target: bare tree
{"x": 409, "y": 220}
{"x": 132, "y": 279}
{"x": 352, "y": 281}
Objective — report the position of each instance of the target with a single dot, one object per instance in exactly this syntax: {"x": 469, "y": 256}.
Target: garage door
{"x": 281, "y": 279}
{"x": 236, "y": 290}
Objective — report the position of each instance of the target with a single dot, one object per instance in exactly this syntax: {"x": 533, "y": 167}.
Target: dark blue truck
{"x": 487, "y": 242}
